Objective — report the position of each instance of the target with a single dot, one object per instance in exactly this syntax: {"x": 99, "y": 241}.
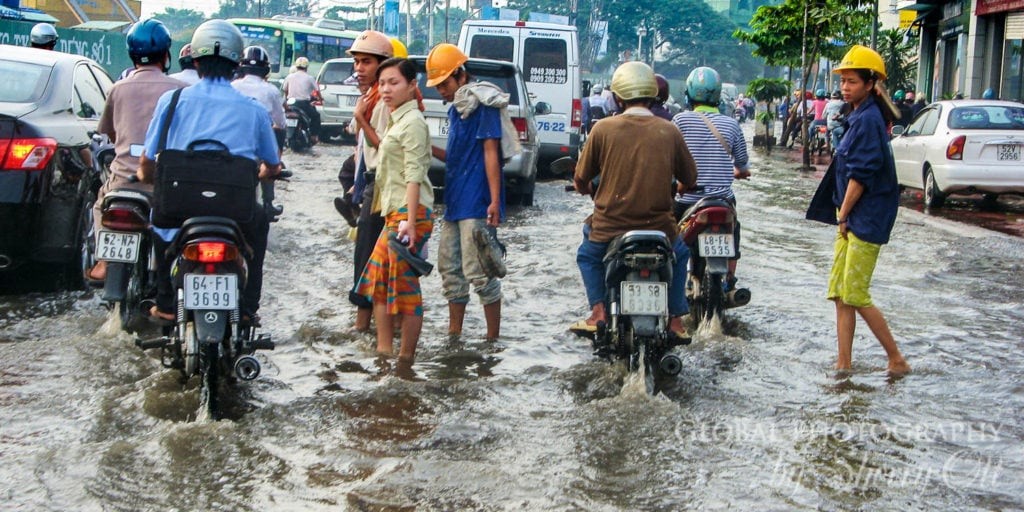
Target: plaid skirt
{"x": 388, "y": 279}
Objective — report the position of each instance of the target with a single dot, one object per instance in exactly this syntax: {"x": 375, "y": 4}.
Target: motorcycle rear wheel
{"x": 712, "y": 297}
{"x": 209, "y": 393}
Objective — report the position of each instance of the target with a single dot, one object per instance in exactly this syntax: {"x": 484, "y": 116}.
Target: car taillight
{"x": 27, "y": 154}
{"x": 520, "y": 124}
{"x": 210, "y": 252}
{"x": 124, "y": 219}
{"x": 955, "y": 150}
{"x": 577, "y": 113}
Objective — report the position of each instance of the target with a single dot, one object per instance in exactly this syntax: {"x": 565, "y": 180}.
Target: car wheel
{"x": 933, "y": 197}
{"x": 526, "y": 192}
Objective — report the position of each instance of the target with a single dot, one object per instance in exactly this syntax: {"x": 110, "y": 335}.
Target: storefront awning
{"x": 37, "y": 16}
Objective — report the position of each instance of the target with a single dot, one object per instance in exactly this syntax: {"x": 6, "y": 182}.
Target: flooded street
{"x": 757, "y": 420}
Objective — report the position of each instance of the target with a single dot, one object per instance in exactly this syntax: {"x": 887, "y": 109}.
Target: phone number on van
{"x": 547, "y": 126}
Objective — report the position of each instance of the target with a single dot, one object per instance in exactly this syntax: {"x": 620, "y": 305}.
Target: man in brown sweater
{"x": 636, "y": 155}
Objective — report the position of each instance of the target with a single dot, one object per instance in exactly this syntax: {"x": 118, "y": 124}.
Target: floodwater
{"x": 757, "y": 420}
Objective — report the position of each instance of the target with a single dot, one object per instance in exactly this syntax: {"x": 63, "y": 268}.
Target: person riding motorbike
{"x": 43, "y": 36}
{"x": 658, "y": 108}
{"x": 833, "y": 119}
{"x": 128, "y": 111}
{"x": 818, "y": 108}
{"x": 301, "y": 87}
{"x": 212, "y": 110}
{"x": 255, "y": 68}
{"x": 718, "y": 147}
{"x": 620, "y": 150}
{"x": 906, "y": 113}
{"x": 188, "y": 68}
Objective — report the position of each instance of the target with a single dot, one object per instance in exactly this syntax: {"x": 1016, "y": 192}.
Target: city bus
{"x": 288, "y": 38}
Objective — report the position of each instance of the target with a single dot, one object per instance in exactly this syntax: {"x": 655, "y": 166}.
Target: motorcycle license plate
{"x": 716, "y": 245}
{"x": 291, "y": 122}
{"x": 644, "y": 298}
{"x": 211, "y": 291}
{"x": 117, "y": 246}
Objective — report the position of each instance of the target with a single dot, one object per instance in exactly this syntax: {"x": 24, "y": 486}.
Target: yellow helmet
{"x": 862, "y": 57}
{"x": 443, "y": 60}
{"x": 634, "y": 80}
{"x": 398, "y": 49}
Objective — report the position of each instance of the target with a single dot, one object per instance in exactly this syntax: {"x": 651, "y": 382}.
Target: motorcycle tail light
{"x": 520, "y": 124}
{"x": 210, "y": 252}
{"x": 715, "y": 216}
{"x": 124, "y": 219}
{"x": 577, "y": 113}
{"x": 955, "y": 150}
{"x": 26, "y": 154}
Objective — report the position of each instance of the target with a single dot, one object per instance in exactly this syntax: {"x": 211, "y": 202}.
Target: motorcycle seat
{"x": 637, "y": 236}
{"x": 126, "y": 194}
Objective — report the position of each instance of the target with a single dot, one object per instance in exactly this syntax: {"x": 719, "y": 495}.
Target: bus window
{"x": 545, "y": 61}
{"x": 267, "y": 37}
{"x": 492, "y": 47}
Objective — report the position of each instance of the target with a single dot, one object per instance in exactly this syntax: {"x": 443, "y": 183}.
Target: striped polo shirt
{"x": 714, "y": 164}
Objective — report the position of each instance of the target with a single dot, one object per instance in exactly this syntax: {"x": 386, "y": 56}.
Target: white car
{"x": 962, "y": 147}
{"x": 340, "y": 92}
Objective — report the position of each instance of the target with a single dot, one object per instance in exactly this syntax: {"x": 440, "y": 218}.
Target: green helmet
{"x": 704, "y": 86}
{"x": 218, "y": 38}
{"x": 898, "y": 95}
{"x": 634, "y": 80}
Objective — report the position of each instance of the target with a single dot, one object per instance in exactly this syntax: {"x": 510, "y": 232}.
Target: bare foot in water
{"x": 898, "y": 367}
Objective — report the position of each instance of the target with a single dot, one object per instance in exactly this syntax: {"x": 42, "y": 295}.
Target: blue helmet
{"x": 704, "y": 86}
{"x": 146, "y": 39}
{"x": 989, "y": 94}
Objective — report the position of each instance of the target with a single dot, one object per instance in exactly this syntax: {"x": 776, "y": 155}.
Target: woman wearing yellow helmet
{"x": 866, "y": 200}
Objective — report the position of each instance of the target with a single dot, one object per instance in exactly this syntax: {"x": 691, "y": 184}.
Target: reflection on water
{"x": 756, "y": 420}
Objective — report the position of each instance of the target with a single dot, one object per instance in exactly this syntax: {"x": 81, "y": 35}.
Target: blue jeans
{"x": 590, "y": 259}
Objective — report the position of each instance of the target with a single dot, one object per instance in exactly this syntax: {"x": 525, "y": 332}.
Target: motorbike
{"x": 821, "y": 139}
{"x": 638, "y": 270}
{"x": 209, "y": 338}
{"x": 707, "y": 229}
{"x": 739, "y": 114}
{"x": 297, "y": 123}
{"x": 124, "y": 242}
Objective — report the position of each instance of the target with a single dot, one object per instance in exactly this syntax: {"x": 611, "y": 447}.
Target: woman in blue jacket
{"x": 867, "y": 199}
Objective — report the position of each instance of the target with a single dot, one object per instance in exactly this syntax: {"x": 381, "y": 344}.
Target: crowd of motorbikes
{"x": 208, "y": 338}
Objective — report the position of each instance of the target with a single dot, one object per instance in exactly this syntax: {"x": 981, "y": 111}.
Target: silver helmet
{"x": 43, "y": 34}
{"x": 217, "y": 38}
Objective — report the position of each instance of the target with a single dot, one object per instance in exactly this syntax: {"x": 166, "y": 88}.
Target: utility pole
{"x": 874, "y": 25}
{"x": 408, "y": 21}
{"x": 430, "y": 25}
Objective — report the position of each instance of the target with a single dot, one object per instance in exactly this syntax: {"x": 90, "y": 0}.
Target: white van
{"x": 548, "y": 55}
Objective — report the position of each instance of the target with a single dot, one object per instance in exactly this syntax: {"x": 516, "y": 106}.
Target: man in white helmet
{"x": 302, "y": 87}
{"x": 43, "y": 36}
{"x": 636, "y": 155}
{"x": 213, "y": 110}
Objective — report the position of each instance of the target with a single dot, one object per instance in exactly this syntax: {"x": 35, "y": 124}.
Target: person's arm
{"x": 147, "y": 169}
{"x": 106, "y": 124}
{"x": 686, "y": 167}
{"x": 439, "y": 153}
{"x": 589, "y": 165}
{"x": 412, "y": 202}
{"x": 854, "y": 189}
{"x": 492, "y": 166}
{"x": 362, "y": 118}
{"x": 415, "y": 143}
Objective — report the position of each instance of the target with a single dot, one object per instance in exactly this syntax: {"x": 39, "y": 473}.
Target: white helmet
{"x": 43, "y": 34}
{"x": 217, "y": 38}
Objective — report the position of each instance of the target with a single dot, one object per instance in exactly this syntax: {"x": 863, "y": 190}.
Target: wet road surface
{"x": 757, "y": 420}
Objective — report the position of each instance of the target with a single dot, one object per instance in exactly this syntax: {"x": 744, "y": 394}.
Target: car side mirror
{"x": 542, "y": 108}
{"x": 898, "y": 130}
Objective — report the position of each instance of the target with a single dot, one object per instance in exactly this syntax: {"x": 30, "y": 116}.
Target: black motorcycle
{"x": 124, "y": 242}
{"x": 209, "y": 338}
{"x": 298, "y": 137}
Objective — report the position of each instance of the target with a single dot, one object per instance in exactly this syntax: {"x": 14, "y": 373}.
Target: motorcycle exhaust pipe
{"x": 738, "y": 297}
{"x": 5, "y": 262}
{"x": 247, "y": 368}
{"x": 671, "y": 364}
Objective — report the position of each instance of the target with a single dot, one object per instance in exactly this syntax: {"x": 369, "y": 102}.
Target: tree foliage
{"x": 777, "y": 31}
{"x": 180, "y": 22}
{"x": 900, "y": 56}
{"x": 262, "y": 8}
{"x": 681, "y": 34}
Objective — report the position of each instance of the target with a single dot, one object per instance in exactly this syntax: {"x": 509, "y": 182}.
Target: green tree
{"x": 900, "y": 56}
{"x": 180, "y": 22}
{"x": 262, "y": 8}
{"x": 798, "y": 32}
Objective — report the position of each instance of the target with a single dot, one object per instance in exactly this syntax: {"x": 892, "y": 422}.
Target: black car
{"x": 50, "y": 102}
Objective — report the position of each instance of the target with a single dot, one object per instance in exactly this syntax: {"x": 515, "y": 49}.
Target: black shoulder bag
{"x": 196, "y": 183}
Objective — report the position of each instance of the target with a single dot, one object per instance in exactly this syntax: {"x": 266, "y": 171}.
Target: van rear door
{"x": 551, "y": 68}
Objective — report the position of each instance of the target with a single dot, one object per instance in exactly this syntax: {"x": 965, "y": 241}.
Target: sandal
{"x": 161, "y": 317}
{"x": 583, "y": 327}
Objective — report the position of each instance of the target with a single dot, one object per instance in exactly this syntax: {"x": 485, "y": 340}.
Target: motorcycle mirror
{"x": 898, "y": 130}
{"x": 565, "y": 166}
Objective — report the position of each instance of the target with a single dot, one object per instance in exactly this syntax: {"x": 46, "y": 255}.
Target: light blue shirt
{"x": 212, "y": 109}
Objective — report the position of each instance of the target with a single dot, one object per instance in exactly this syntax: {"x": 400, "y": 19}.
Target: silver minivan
{"x": 340, "y": 92}
{"x": 520, "y": 172}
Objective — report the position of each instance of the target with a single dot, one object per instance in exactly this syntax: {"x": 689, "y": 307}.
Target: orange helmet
{"x": 443, "y": 60}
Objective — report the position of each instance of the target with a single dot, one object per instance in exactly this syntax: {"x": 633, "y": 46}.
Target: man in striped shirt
{"x": 717, "y": 145}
